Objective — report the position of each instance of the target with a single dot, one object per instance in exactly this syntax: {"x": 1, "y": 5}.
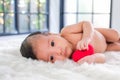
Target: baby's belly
{"x": 99, "y": 42}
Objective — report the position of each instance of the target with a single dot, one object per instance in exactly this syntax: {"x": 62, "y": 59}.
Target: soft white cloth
{"x": 14, "y": 67}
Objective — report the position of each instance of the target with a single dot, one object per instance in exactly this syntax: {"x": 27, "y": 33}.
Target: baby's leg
{"x": 113, "y": 47}
{"x": 110, "y": 35}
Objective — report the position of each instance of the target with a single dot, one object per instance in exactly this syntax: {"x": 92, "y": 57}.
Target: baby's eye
{"x": 52, "y": 43}
{"x": 51, "y": 58}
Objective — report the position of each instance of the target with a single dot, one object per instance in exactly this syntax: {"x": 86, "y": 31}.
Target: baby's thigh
{"x": 110, "y": 35}
{"x": 113, "y": 46}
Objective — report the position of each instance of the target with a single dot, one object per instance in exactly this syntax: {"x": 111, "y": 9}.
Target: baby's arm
{"x": 111, "y": 35}
{"x": 83, "y": 27}
{"x": 88, "y": 31}
{"x": 95, "y": 58}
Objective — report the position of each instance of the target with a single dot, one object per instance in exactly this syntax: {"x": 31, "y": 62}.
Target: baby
{"x": 52, "y": 47}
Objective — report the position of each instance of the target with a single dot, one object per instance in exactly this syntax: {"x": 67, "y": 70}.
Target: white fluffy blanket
{"x": 14, "y": 67}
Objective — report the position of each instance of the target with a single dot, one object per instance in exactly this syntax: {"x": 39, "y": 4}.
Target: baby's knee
{"x": 116, "y": 34}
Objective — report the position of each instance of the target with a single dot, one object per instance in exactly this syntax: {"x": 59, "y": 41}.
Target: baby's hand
{"x": 83, "y": 44}
{"x": 89, "y": 59}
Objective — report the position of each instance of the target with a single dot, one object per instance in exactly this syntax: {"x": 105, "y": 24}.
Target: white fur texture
{"x": 14, "y": 67}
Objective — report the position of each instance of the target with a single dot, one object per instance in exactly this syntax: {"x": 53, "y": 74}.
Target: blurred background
{"x": 26, "y": 16}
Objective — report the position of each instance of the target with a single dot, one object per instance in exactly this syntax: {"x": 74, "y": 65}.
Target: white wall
{"x": 116, "y": 14}
{"x": 54, "y": 16}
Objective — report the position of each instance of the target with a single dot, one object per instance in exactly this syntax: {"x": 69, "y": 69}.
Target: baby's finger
{"x": 79, "y": 46}
{"x": 83, "y": 47}
{"x": 86, "y": 46}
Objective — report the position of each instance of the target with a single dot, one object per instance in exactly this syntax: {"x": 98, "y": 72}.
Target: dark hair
{"x": 26, "y": 48}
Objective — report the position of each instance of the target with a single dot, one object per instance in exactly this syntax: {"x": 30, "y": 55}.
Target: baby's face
{"x": 51, "y": 48}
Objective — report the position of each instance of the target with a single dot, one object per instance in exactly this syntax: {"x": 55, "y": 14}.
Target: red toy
{"x": 78, "y": 54}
